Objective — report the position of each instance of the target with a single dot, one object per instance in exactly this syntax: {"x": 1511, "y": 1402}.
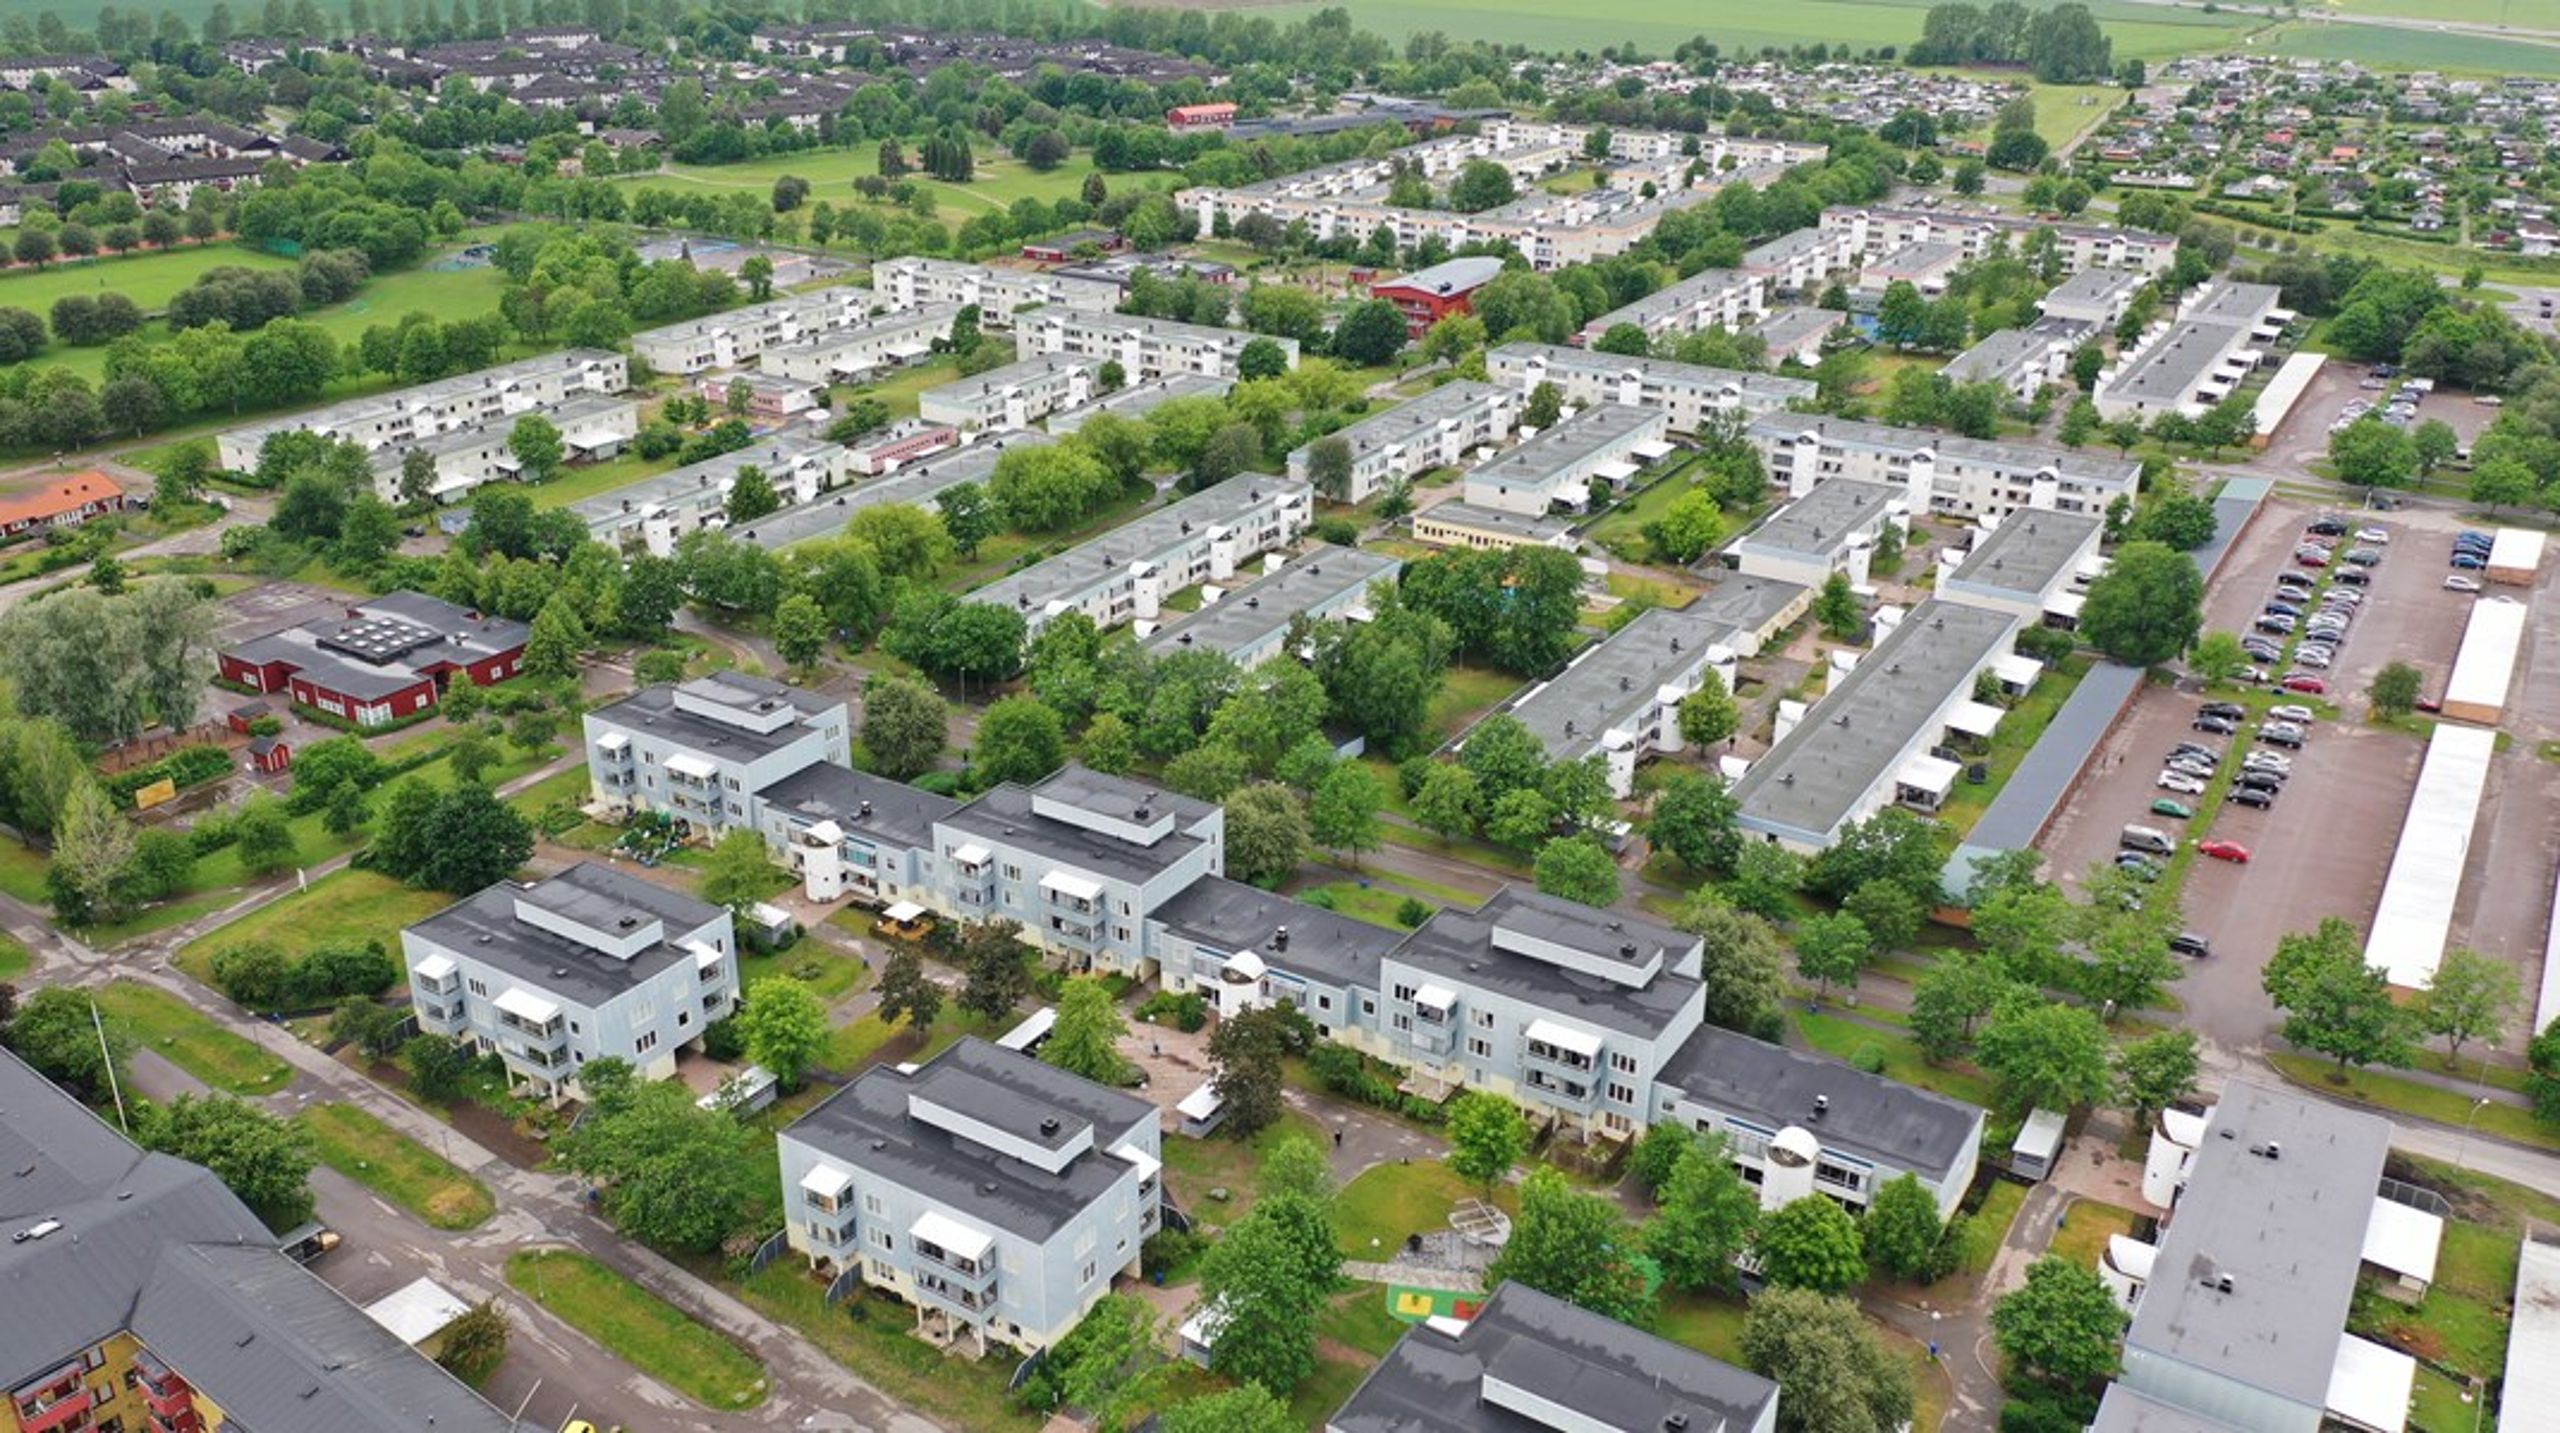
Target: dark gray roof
{"x": 1145, "y": 538}
{"x": 2125, "y": 1411}
{"x": 1249, "y": 615}
{"x": 1570, "y": 713}
{"x": 1493, "y": 519}
{"x": 1325, "y": 947}
{"x": 653, "y": 709}
{"x": 2028, "y": 552}
{"x": 1869, "y": 1116}
{"x": 1746, "y": 604}
{"x": 897, "y": 813}
{"x": 1821, "y": 522}
{"x": 1005, "y": 814}
{"x": 917, "y": 483}
{"x": 1458, "y": 945}
{"x": 385, "y": 644}
{"x": 156, "y": 1247}
{"x": 2288, "y": 1232}
{"x": 867, "y": 1125}
{"x": 484, "y": 927}
{"x": 1613, "y": 1375}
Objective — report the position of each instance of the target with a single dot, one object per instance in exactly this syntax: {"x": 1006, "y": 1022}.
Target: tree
{"x": 1249, "y": 1409}
{"x": 1329, "y": 466}
{"x": 263, "y": 838}
{"x": 1370, "y": 334}
{"x": 1892, "y": 915}
{"x": 1266, "y": 834}
{"x": 997, "y": 966}
{"x": 785, "y": 1025}
{"x": 1262, "y": 357}
{"x": 257, "y": 1156}
{"x": 2333, "y": 1002}
{"x": 1103, "y": 1363}
{"x": 1824, "y": 1354}
{"x": 1245, "y": 1052}
{"x": 906, "y": 992}
{"x": 1696, "y": 819}
{"x": 1832, "y": 949}
{"x": 2218, "y": 658}
{"x": 2434, "y": 443}
{"x": 1481, "y": 184}
{"x": 674, "y": 1174}
{"x": 1343, "y": 812}
{"x": 2156, "y": 1072}
{"x": 473, "y": 1345}
{"x": 1579, "y": 869}
{"x": 1810, "y": 1243}
{"x": 1487, "y": 1135}
{"x": 2045, "y": 1056}
{"x": 1447, "y": 803}
{"x": 2502, "y": 482}
{"x": 93, "y": 846}
{"x": 799, "y": 629}
{"x": 2061, "y": 1324}
{"x": 1742, "y": 963}
{"x": 1705, "y": 1216}
{"x": 1267, "y": 1301}
{"x": 2470, "y": 999}
{"x": 536, "y": 444}
{"x": 2177, "y": 519}
{"x": 468, "y": 839}
{"x": 903, "y": 726}
{"x": 437, "y": 1065}
{"x": 2395, "y": 690}
{"x": 751, "y": 496}
{"x": 1836, "y": 608}
{"x": 738, "y": 873}
{"x": 1901, "y": 1231}
{"x": 1086, "y": 1038}
{"x": 2372, "y": 454}
{"x": 1020, "y": 739}
{"x": 1709, "y": 714}
{"x": 558, "y": 635}
{"x": 2147, "y": 608}
{"x": 1575, "y": 1246}
{"x": 58, "y": 1032}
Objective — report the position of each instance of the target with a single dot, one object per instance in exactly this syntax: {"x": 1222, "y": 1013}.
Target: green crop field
{"x": 1658, "y": 25}
{"x": 2469, "y": 12}
{"x": 2397, "y": 49}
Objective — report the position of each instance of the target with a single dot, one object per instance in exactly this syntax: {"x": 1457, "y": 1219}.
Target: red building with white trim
{"x": 386, "y": 660}
{"x": 1218, "y": 115}
{"x": 59, "y": 502}
{"x": 1429, "y": 295}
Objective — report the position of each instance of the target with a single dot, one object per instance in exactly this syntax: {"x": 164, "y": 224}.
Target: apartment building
{"x": 1126, "y": 573}
{"x": 998, "y": 1195}
{"x": 1873, "y": 738}
{"x": 874, "y": 344}
{"x": 1530, "y": 1360}
{"x": 590, "y": 963}
{"x": 2197, "y": 358}
{"x": 849, "y": 833}
{"x": 1801, "y": 262}
{"x": 1250, "y": 625}
{"x": 1943, "y": 473}
{"x": 1832, "y": 529}
{"x": 1795, "y": 335}
{"x": 1138, "y": 400}
{"x": 1017, "y": 395}
{"x": 2096, "y": 297}
{"x": 1606, "y": 443}
{"x": 1692, "y": 394}
{"x": 1475, "y": 526}
{"x": 918, "y": 481}
{"x": 1926, "y": 266}
{"x": 2024, "y": 361}
{"x": 2031, "y": 565}
{"x": 1145, "y": 348}
{"x": 144, "y": 1295}
{"x": 592, "y": 428}
{"x": 387, "y": 659}
{"x": 1710, "y": 298}
{"x": 423, "y": 411}
{"x": 997, "y": 294}
{"x": 1877, "y": 230}
{"x": 654, "y": 514}
{"x": 1437, "y": 430}
{"x": 698, "y": 751}
{"x": 735, "y": 337}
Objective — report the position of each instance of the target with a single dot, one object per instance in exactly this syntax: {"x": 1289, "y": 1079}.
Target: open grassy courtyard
{"x": 162, "y": 1023}
{"x": 1000, "y": 179}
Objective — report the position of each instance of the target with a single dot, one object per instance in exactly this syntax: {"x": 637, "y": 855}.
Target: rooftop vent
{"x": 1049, "y": 1125}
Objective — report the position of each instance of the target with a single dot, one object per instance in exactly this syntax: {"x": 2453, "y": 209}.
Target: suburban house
{"x": 699, "y": 751}
{"x": 1128, "y": 572}
{"x": 387, "y": 660}
{"x": 998, "y": 1195}
{"x": 59, "y": 502}
{"x": 590, "y": 963}
{"x": 1437, "y": 430}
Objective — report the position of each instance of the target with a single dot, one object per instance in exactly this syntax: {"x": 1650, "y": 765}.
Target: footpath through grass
{"x": 2451, "y": 1108}
{"x": 640, "y": 1328}
{"x": 382, "y": 1159}
{"x": 189, "y": 1039}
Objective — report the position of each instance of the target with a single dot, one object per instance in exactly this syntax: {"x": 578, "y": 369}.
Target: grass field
{"x": 870, "y": 1335}
{"x": 397, "y": 1167}
{"x": 2063, "y": 112}
{"x": 1373, "y": 1213}
{"x": 1657, "y": 26}
{"x": 2399, "y": 49}
{"x": 642, "y": 1329}
{"x": 1001, "y": 179}
{"x": 14, "y": 958}
{"x": 163, "y": 1023}
{"x": 343, "y": 908}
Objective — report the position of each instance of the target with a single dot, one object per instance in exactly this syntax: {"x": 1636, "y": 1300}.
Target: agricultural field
{"x": 2398, "y": 49}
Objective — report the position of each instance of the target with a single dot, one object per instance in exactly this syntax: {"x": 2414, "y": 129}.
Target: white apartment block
{"x": 2023, "y": 361}
{"x": 1017, "y": 395}
{"x": 1879, "y": 230}
{"x": 1832, "y": 529}
{"x": 734, "y": 338}
{"x": 1801, "y": 262}
{"x": 2197, "y": 357}
{"x": 997, "y": 294}
{"x": 2096, "y": 297}
{"x": 1690, "y": 393}
{"x": 590, "y": 963}
{"x": 1710, "y": 298}
{"x": 1145, "y": 348}
{"x": 1554, "y": 471}
{"x": 1125, "y": 574}
{"x": 592, "y": 428}
{"x": 1437, "y": 430}
{"x": 699, "y": 751}
{"x": 655, "y": 514}
{"x": 997, "y": 1195}
{"x": 1250, "y": 625}
{"x": 1943, "y": 473}
{"x": 426, "y": 410}
{"x": 881, "y": 342}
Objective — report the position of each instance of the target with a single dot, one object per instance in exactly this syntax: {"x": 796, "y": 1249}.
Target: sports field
{"x": 150, "y": 280}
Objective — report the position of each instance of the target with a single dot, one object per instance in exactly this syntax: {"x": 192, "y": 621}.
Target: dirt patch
{"x": 484, "y": 1127}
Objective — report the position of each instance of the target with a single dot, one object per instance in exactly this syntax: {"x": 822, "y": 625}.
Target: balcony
{"x": 972, "y": 1304}
{"x": 549, "y": 1034}
{"x": 539, "y": 1059}
{"x": 64, "y": 1410}
{"x": 973, "y": 1272}
{"x": 1557, "y": 1088}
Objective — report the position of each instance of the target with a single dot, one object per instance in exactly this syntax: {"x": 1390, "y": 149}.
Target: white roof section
{"x": 826, "y": 1181}
{"x": 2403, "y": 1240}
{"x": 1033, "y": 1027}
{"x": 525, "y": 1005}
{"x": 1933, "y": 774}
{"x": 1146, "y": 1164}
{"x": 1071, "y": 885}
{"x": 936, "y": 1227}
{"x": 1652, "y": 448}
{"x": 1438, "y": 997}
{"x": 2040, "y": 1135}
{"x": 2415, "y": 917}
{"x": 2017, "y": 671}
{"x": 2515, "y": 548}
{"x": 2066, "y": 604}
{"x": 2130, "y": 1256}
{"x": 434, "y": 967}
{"x": 417, "y": 1310}
{"x": 687, "y": 764}
{"x": 2487, "y": 661}
{"x": 2286, "y": 389}
{"x": 2533, "y": 1343}
{"x": 1200, "y": 1104}
{"x": 2369, "y": 1385}
{"x": 901, "y": 911}
{"x": 1975, "y": 718}
{"x": 972, "y": 854}
{"x": 1564, "y": 1037}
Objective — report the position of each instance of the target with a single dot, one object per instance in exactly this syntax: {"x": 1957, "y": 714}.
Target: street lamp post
{"x": 2478, "y": 1103}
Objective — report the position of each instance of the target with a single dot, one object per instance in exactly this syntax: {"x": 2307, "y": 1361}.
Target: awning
{"x": 2017, "y": 671}
{"x": 1930, "y": 774}
{"x": 2066, "y": 604}
{"x": 432, "y": 969}
{"x": 2402, "y": 1240}
{"x": 2130, "y": 1256}
{"x": 951, "y": 1236}
{"x": 705, "y": 954}
{"x": 972, "y": 854}
{"x": 612, "y": 741}
{"x": 825, "y": 833}
{"x": 902, "y": 912}
{"x": 1615, "y": 470}
{"x": 1438, "y": 997}
{"x": 1074, "y": 887}
{"x": 2369, "y": 1385}
{"x": 1034, "y": 1028}
{"x": 1654, "y": 448}
{"x": 693, "y": 766}
{"x": 1147, "y": 1164}
{"x": 1975, "y": 718}
{"x": 532, "y": 1009}
{"x": 1200, "y": 1104}
{"x": 1564, "y": 1037}
{"x": 827, "y": 1182}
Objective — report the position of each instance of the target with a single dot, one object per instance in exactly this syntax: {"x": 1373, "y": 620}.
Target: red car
{"x": 2231, "y": 851}
{"x": 2299, "y": 682}
{"x": 2312, "y": 559}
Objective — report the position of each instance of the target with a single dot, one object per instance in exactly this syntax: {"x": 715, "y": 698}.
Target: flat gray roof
{"x": 1673, "y": 298}
{"x": 920, "y": 483}
{"x": 769, "y": 453}
{"x": 485, "y": 927}
{"x": 862, "y": 804}
{"x": 1005, "y": 814}
{"x": 1079, "y": 569}
{"x": 1744, "y": 603}
{"x": 1503, "y": 520}
{"x": 1766, "y": 386}
{"x": 2219, "y": 324}
{"x": 2010, "y": 457}
{"x": 2003, "y": 352}
{"x": 1401, "y": 422}
{"x": 1571, "y": 712}
{"x": 1810, "y": 782}
{"x": 653, "y": 709}
{"x": 1140, "y": 399}
{"x": 1248, "y": 616}
{"x": 1458, "y": 945}
{"x": 2287, "y": 1232}
{"x": 1231, "y": 917}
{"x": 2095, "y": 286}
{"x": 1786, "y": 327}
{"x": 1868, "y": 1115}
{"x": 1547, "y": 457}
{"x": 1821, "y": 522}
{"x": 1613, "y": 1375}
{"x": 866, "y": 1126}
{"x": 2125, "y": 1411}
{"x": 2028, "y": 552}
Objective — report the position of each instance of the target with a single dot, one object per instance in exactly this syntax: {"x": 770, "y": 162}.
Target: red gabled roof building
{"x": 59, "y": 502}
{"x": 1429, "y": 295}
{"x": 388, "y": 659}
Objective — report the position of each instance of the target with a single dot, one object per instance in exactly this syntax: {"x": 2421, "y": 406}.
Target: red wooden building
{"x": 59, "y": 502}
{"x": 1201, "y": 116}
{"x": 1429, "y": 295}
{"x": 386, "y": 660}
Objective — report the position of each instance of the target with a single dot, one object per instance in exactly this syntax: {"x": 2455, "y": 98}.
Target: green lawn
{"x": 1373, "y": 1213}
{"x": 1742, "y": 26}
{"x": 1373, "y": 904}
{"x": 642, "y": 1329}
{"x": 577, "y": 484}
{"x": 2391, "y": 1092}
{"x": 902, "y": 390}
{"x": 1467, "y": 693}
{"x": 189, "y": 1039}
{"x": 2062, "y": 111}
{"x": 837, "y": 974}
{"x": 1709, "y": 1323}
{"x": 1193, "y": 1167}
{"x": 2017, "y": 735}
{"x": 22, "y": 871}
{"x": 1841, "y": 1038}
{"x": 871, "y": 1336}
{"x": 852, "y": 1048}
{"x": 14, "y": 958}
{"x": 999, "y": 181}
{"x": 2398, "y": 49}
{"x": 341, "y": 908}
{"x": 2086, "y": 1226}
{"x": 398, "y": 1168}
{"x": 1360, "y": 1320}
{"x": 149, "y": 279}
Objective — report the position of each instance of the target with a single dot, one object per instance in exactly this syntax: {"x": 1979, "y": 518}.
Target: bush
{"x": 1169, "y": 1252}
{"x": 1321, "y": 900}
{"x": 335, "y": 972}
{"x": 1412, "y": 913}
{"x": 1185, "y": 1010}
{"x": 940, "y": 783}
{"x": 1339, "y": 531}
{"x": 1344, "y": 1071}
{"x": 377, "y": 1030}
{"x": 722, "y": 1040}
{"x": 190, "y": 766}
{"x": 1869, "y": 1056}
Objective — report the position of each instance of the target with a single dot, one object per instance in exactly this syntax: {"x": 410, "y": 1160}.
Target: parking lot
{"x": 2303, "y": 437}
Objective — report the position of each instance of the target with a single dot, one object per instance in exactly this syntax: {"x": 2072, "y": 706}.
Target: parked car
{"x": 2355, "y": 577}
{"x": 2231, "y": 851}
{"x": 2294, "y": 712}
{"x": 2188, "y": 943}
{"x": 2364, "y": 556}
{"x": 2217, "y": 726}
{"x": 2469, "y": 562}
{"x": 2316, "y": 658}
{"x": 2180, "y": 782}
{"x": 2279, "y": 737}
{"x": 2169, "y": 806}
{"x": 2456, "y": 582}
{"x": 2306, "y": 684}
{"x": 2145, "y": 871}
{"x": 2328, "y": 525}
{"x": 2232, "y": 710}
{"x": 2196, "y": 749}
{"x": 2255, "y": 797}
{"x": 2311, "y": 557}
{"x": 2378, "y": 536}
{"x": 2281, "y": 626}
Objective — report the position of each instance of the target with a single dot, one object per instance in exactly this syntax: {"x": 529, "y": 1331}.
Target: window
{"x": 647, "y": 1042}
{"x": 884, "y": 1239}
{"x": 1481, "y": 1049}
{"x": 1404, "y": 993}
{"x": 1623, "y": 1094}
{"x": 733, "y": 783}
{"x": 1324, "y": 1002}
{"x": 1623, "y": 1064}
{"x": 1368, "y": 1006}
{"x": 1404, "y": 1023}
{"x": 478, "y": 986}
{"x": 573, "y": 1027}
{"x": 683, "y": 1018}
{"x": 871, "y": 1203}
{"x": 1012, "y": 873}
{"x": 1087, "y": 1275}
{"x": 1483, "y": 1019}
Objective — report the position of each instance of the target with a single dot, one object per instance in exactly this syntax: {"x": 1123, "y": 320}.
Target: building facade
{"x": 1692, "y": 394}
{"x": 1126, "y": 574}
{"x": 698, "y": 751}
{"x": 1145, "y": 348}
{"x": 1437, "y": 430}
{"x": 387, "y": 660}
{"x": 1942, "y": 473}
